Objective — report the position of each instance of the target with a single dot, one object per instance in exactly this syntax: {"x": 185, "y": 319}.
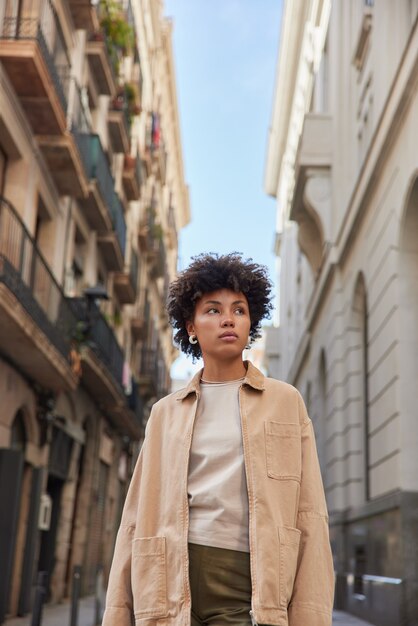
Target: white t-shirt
{"x": 217, "y": 486}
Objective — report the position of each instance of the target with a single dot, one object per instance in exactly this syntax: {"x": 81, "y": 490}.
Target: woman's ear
{"x": 190, "y": 328}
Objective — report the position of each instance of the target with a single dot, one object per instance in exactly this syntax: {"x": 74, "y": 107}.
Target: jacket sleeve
{"x": 119, "y": 601}
{"x": 313, "y": 590}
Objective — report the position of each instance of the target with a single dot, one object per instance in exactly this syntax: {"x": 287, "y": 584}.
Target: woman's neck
{"x": 222, "y": 372}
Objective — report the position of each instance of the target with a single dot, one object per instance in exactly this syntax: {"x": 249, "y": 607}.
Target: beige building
{"x": 92, "y": 199}
{"x": 342, "y": 162}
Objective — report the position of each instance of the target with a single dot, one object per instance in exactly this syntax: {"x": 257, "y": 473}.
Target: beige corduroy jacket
{"x": 291, "y": 563}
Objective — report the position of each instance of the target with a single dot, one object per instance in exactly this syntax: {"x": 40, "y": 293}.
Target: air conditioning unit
{"x": 45, "y": 510}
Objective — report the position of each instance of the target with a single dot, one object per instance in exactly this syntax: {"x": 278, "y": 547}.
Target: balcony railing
{"x": 119, "y": 122}
{"x": 79, "y": 123}
{"x": 99, "y": 336}
{"x": 133, "y": 270}
{"x": 27, "y": 275}
{"x": 132, "y": 176}
{"x": 46, "y": 30}
{"x": 136, "y": 403}
{"x": 101, "y": 171}
{"x": 119, "y": 224}
{"x": 120, "y": 103}
{"x": 98, "y": 168}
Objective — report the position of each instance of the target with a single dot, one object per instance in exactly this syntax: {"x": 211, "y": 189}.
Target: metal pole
{"x": 40, "y": 594}
{"x": 75, "y": 595}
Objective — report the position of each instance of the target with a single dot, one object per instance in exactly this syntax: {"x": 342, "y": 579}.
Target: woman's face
{"x": 221, "y": 324}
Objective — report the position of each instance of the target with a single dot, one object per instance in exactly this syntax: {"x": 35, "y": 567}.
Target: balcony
{"x": 119, "y": 123}
{"x": 102, "y": 365}
{"x": 34, "y": 55}
{"x": 132, "y": 177}
{"x": 36, "y": 323}
{"x": 102, "y": 63}
{"x": 136, "y": 404}
{"x": 67, "y": 155}
{"x": 125, "y": 283}
{"x": 156, "y": 257}
{"x": 112, "y": 244}
{"x": 84, "y": 15}
{"x": 150, "y": 241}
{"x": 311, "y": 203}
{"x": 98, "y": 205}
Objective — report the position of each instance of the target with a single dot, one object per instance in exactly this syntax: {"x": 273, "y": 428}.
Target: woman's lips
{"x": 229, "y": 337}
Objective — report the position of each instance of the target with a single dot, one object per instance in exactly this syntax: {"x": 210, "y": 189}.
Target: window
{"x": 359, "y": 570}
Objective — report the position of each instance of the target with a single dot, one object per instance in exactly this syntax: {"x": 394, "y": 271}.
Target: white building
{"x": 343, "y": 163}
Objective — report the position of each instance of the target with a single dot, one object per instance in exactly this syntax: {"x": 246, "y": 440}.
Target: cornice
{"x": 304, "y": 28}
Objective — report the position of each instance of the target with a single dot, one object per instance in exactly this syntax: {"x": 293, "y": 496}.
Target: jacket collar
{"x": 254, "y": 378}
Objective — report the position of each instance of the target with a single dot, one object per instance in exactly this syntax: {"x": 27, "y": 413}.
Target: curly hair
{"x": 209, "y": 272}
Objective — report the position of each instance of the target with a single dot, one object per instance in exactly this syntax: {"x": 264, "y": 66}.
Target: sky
{"x": 225, "y": 54}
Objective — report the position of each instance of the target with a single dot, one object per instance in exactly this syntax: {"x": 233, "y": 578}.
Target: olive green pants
{"x": 220, "y": 583}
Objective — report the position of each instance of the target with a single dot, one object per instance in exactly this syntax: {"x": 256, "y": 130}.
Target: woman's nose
{"x": 227, "y": 321}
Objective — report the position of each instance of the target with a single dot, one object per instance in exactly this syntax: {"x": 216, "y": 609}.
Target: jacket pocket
{"x": 283, "y": 451}
{"x": 289, "y": 539}
{"x": 149, "y": 576}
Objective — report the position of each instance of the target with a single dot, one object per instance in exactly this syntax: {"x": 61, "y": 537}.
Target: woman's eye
{"x": 212, "y": 310}
{"x": 240, "y": 311}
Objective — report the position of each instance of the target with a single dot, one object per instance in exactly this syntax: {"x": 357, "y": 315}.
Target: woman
{"x": 225, "y": 521}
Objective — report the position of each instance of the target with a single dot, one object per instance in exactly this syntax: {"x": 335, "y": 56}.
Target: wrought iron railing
{"x": 119, "y": 224}
{"x": 133, "y": 270}
{"x": 25, "y": 272}
{"x": 78, "y": 121}
{"x": 120, "y": 103}
{"x": 101, "y": 172}
{"x": 136, "y": 403}
{"x": 98, "y": 335}
{"x": 45, "y": 28}
{"x": 98, "y": 167}
{"x": 133, "y": 165}
{"x": 138, "y": 170}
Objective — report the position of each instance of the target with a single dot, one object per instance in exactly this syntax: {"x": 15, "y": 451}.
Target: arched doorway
{"x": 11, "y": 474}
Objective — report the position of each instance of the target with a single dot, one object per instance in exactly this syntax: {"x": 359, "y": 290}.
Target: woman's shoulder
{"x": 279, "y": 385}
{"x": 282, "y": 389}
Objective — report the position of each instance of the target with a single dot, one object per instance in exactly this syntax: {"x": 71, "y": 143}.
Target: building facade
{"x": 92, "y": 199}
{"x": 343, "y": 164}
